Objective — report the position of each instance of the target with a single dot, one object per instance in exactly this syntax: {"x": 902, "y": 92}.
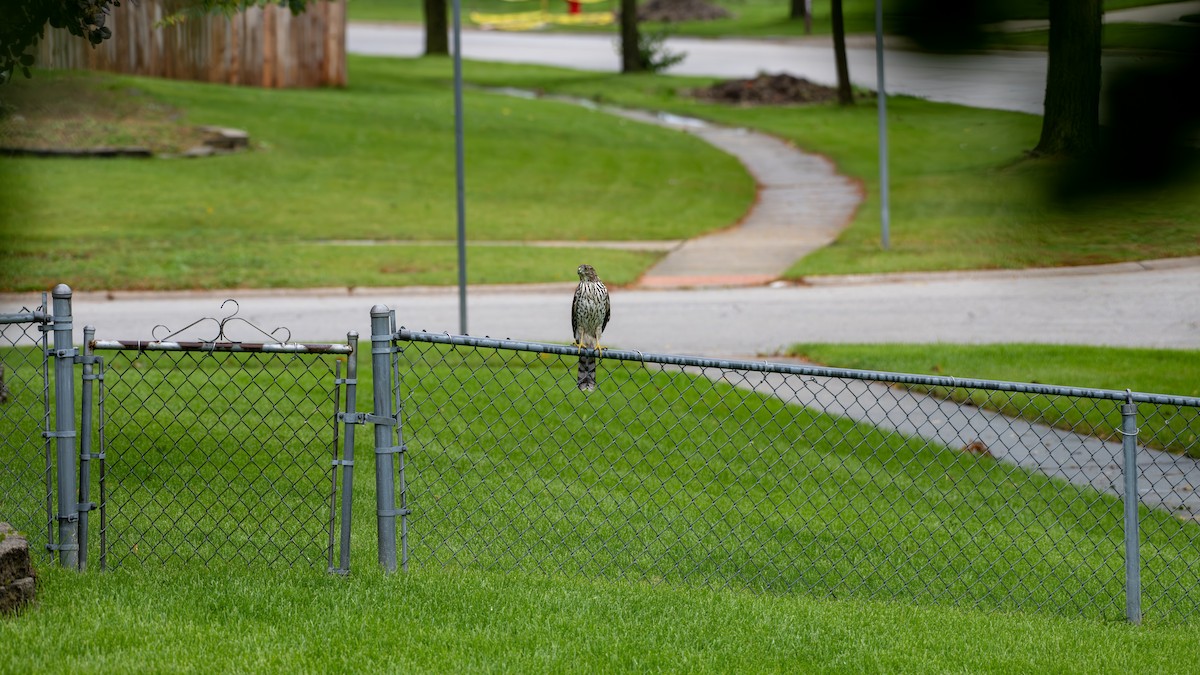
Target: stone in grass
{"x": 224, "y": 138}
{"x": 17, "y": 578}
{"x": 218, "y": 140}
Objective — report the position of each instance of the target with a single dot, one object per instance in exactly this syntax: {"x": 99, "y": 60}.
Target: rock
{"x": 17, "y": 578}
{"x": 224, "y": 138}
{"x": 199, "y": 151}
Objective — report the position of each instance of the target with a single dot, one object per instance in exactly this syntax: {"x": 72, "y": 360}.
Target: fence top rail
{"x": 408, "y": 335}
{"x": 36, "y": 316}
{"x": 260, "y": 347}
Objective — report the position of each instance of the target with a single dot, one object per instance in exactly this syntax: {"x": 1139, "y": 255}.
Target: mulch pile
{"x": 781, "y": 89}
{"x": 675, "y": 11}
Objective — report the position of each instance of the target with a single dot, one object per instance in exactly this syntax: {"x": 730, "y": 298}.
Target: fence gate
{"x": 223, "y": 451}
{"x": 26, "y": 462}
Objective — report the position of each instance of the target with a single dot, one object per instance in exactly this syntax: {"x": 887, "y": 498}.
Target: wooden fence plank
{"x": 260, "y": 46}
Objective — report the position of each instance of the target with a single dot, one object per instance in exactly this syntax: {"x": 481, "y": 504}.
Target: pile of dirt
{"x": 766, "y": 89}
{"x": 674, "y": 11}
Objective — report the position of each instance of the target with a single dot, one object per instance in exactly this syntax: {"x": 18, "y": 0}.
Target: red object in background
{"x": 572, "y": 7}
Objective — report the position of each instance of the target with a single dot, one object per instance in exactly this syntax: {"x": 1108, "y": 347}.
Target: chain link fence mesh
{"x": 219, "y": 456}
{"x": 834, "y": 486}
{"x": 24, "y": 416}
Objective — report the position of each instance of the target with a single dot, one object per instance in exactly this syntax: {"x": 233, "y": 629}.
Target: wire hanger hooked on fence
{"x": 221, "y": 323}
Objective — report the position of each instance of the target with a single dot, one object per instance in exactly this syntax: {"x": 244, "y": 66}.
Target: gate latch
{"x": 365, "y": 418}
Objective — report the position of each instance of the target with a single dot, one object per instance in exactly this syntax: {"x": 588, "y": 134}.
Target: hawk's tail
{"x": 587, "y": 373}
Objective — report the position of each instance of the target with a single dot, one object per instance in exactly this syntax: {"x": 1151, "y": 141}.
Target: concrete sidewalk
{"x": 803, "y": 204}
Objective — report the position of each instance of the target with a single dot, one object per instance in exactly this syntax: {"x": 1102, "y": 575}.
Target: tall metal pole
{"x": 1133, "y": 562}
{"x": 348, "y": 449}
{"x": 881, "y": 97}
{"x": 460, "y": 185}
{"x": 64, "y": 428}
{"x": 85, "y": 444}
{"x": 385, "y": 490}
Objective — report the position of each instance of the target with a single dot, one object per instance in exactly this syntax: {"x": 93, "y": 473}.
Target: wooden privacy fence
{"x": 261, "y": 46}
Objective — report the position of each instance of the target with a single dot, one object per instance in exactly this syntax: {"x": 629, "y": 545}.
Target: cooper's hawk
{"x": 589, "y": 317}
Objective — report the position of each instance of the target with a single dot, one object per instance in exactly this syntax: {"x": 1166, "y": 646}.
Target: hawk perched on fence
{"x": 589, "y": 317}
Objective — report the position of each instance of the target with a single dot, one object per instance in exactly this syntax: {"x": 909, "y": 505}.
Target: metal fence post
{"x": 64, "y": 427}
{"x": 401, "y": 447}
{"x": 385, "y": 491}
{"x": 85, "y": 444}
{"x": 1133, "y": 581}
{"x": 348, "y": 451}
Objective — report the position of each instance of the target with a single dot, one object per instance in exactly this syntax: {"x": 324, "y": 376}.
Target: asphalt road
{"x": 1123, "y": 305}
{"x": 1001, "y": 80}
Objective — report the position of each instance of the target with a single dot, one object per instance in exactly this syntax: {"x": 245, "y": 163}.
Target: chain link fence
{"x": 779, "y": 478}
{"x": 25, "y": 467}
{"x": 213, "y": 450}
{"x": 221, "y": 451}
{"x": 728, "y": 474}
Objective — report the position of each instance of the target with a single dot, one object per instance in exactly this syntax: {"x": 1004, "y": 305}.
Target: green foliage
{"x": 194, "y": 8}
{"x": 653, "y": 55}
{"x": 25, "y": 22}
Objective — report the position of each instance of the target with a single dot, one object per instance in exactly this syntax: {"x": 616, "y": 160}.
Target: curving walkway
{"x": 803, "y": 204}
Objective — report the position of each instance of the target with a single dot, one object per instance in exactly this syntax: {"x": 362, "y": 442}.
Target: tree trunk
{"x": 630, "y": 59}
{"x": 797, "y": 10}
{"x": 845, "y": 96}
{"x": 436, "y": 28}
{"x": 1071, "y": 122}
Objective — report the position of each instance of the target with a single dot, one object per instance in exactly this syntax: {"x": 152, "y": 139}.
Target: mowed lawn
{"x": 964, "y": 193}
{"x": 666, "y": 521}
{"x": 374, "y": 161}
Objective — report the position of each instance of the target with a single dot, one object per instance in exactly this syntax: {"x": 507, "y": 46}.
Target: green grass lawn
{"x": 470, "y": 621}
{"x": 665, "y": 522}
{"x": 375, "y": 161}
{"x": 1160, "y": 371}
{"x": 963, "y": 193}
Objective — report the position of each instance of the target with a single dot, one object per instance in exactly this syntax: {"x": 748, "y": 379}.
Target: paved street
{"x": 1000, "y": 80}
{"x": 1145, "y": 308}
